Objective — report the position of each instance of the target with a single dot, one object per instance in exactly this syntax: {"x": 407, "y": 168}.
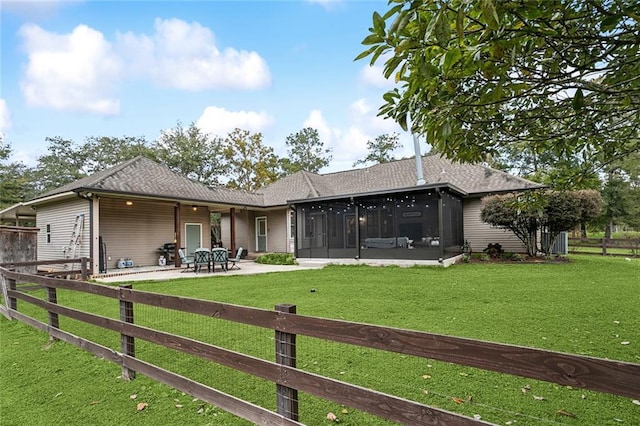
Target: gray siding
{"x": 245, "y": 236}
{"x": 277, "y": 240}
{"x": 138, "y": 231}
{"x": 480, "y": 234}
{"x": 61, "y": 217}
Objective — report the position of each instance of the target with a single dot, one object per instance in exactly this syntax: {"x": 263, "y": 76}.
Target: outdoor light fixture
{"x": 195, "y": 208}
{"x": 129, "y": 203}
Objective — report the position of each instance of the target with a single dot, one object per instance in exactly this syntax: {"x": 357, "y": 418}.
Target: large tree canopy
{"x": 475, "y": 77}
{"x": 192, "y": 152}
{"x": 251, "y": 164}
{"x": 305, "y": 152}
{"x": 381, "y": 149}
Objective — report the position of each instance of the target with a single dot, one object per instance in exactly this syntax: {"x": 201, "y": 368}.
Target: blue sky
{"x": 77, "y": 69}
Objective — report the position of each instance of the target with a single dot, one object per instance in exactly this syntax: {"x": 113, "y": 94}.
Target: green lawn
{"x": 588, "y": 306}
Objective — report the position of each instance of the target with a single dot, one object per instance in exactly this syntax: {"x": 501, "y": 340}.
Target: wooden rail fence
{"x": 615, "y": 377}
{"x": 604, "y": 246}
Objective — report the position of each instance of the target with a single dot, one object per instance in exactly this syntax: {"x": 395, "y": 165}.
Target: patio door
{"x": 318, "y": 235}
{"x": 350, "y": 230}
{"x": 261, "y": 234}
{"x": 192, "y": 237}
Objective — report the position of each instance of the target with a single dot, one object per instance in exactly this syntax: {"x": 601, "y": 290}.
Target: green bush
{"x": 515, "y": 257}
{"x": 480, "y": 256}
{"x": 277, "y": 259}
{"x": 494, "y": 250}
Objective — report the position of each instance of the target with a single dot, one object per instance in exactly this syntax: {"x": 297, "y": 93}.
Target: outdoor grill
{"x": 168, "y": 250}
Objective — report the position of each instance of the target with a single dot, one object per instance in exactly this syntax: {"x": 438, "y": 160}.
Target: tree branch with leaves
{"x": 478, "y": 77}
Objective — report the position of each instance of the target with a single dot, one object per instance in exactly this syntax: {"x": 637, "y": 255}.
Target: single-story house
{"x": 139, "y": 210}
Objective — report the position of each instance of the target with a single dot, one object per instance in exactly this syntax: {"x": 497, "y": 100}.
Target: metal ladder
{"x": 76, "y": 239}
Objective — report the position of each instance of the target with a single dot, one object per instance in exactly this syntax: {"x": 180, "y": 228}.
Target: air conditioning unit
{"x": 561, "y": 245}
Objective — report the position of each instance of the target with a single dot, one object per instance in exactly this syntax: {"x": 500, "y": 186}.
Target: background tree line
{"x": 241, "y": 160}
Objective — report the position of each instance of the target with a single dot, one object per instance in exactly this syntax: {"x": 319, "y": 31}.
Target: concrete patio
{"x": 247, "y": 267}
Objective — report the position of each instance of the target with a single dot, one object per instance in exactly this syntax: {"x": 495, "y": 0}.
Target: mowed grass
{"x": 588, "y": 306}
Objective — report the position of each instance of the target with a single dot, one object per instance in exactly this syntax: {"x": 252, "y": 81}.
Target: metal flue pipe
{"x": 416, "y": 148}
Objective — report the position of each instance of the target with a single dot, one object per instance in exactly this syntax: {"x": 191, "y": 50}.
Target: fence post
{"x": 127, "y": 343}
{"x": 13, "y": 302}
{"x": 604, "y": 246}
{"x": 83, "y": 268}
{"x": 54, "y": 322}
{"x": 286, "y": 355}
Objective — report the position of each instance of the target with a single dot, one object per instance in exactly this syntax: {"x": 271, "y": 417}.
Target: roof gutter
{"x": 382, "y": 192}
{"x": 49, "y": 198}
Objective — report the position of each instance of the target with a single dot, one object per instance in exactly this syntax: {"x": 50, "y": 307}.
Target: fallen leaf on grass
{"x": 426, "y": 376}
{"x": 458, "y": 400}
{"x": 178, "y": 405}
{"x": 94, "y": 402}
{"x": 58, "y": 394}
{"x": 344, "y": 411}
{"x": 332, "y": 417}
{"x": 477, "y": 416}
{"x": 134, "y": 396}
{"x": 141, "y": 406}
{"x": 635, "y": 401}
{"x": 566, "y": 413}
{"x": 624, "y": 343}
{"x": 538, "y": 398}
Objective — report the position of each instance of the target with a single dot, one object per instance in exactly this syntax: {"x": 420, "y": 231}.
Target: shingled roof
{"x": 141, "y": 176}
{"x": 472, "y": 179}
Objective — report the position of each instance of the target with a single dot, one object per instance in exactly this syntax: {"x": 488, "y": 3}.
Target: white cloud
{"x": 82, "y": 70}
{"x": 327, "y": 4}
{"x": 346, "y": 146}
{"x": 5, "y": 116}
{"x": 72, "y": 72}
{"x": 184, "y": 55}
{"x": 350, "y": 144}
{"x": 374, "y": 76}
{"x": 366, "y": 115}
{"x": 220, "y": 122}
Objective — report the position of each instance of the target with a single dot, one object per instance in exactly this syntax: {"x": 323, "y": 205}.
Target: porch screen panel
{"x": 391, "y": 226}
{"x": 313, "y": 234}
{"x": 452, "y": 223}
{"x": 417, "y": 218}
{"x": 341, "y": 229}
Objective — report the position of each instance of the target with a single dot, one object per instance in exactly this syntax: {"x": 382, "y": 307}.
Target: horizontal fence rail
{"x": 615, "y": 377}
{"x": 605, "y": 246}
